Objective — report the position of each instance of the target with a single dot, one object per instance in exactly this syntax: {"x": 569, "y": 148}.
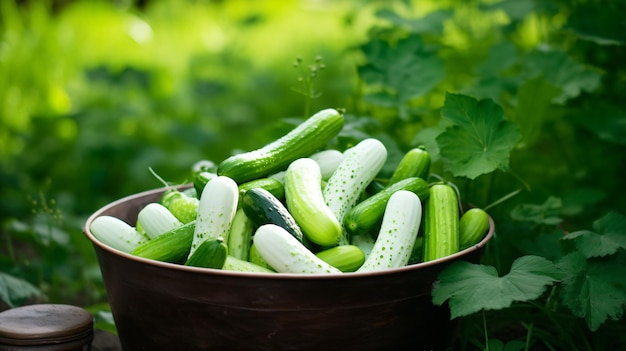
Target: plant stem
{"x": 502, "y": 199}
{"x": 529, "y": 335}
{"x": 485, "y": 331}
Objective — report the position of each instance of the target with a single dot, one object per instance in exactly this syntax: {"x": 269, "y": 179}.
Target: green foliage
{"x": 518, "y": 102}
{"x": 479, "y": 140}
{"x": 472, "y": 287}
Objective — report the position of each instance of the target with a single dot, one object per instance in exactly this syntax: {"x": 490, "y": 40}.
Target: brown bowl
{"x": 164, "y": 306}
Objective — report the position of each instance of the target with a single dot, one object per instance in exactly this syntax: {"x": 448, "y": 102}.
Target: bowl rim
{"x": 261, "y": 275}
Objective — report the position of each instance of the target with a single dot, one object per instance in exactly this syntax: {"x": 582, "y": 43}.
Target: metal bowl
{"x": 164, "y": 306}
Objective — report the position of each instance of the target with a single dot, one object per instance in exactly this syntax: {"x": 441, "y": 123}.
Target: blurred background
{"x": 94, "y": 93}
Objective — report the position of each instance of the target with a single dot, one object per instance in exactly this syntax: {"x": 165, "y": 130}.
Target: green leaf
{"x": 406, "y": 70}
{"x": 562, "y": 71}
{"x": 473, "y": 287}
{"x": 609, "y": 235}
{"x": 480, "y": 140}
{"x": 430, "y": 23}
{"x": 594, "y": 289}
{"x": 499, "y": 345}
{"x": 606, "y": 121}
{"x": 546, "y": 213}
{"x": 534, "y": 99}
{"x": 14, "y": 291}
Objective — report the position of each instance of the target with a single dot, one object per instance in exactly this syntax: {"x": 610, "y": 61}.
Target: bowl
{"x": 166, "y": 306}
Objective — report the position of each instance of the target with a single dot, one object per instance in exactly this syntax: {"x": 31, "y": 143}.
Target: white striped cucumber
{"x": 360, "y": 165}
{"x": 216, "y": 210}
{"x": 307, "y": 138}
{"x": 286, "y": 254}
{"x": 398, "y": 231}
{"x": 305, "y": 202}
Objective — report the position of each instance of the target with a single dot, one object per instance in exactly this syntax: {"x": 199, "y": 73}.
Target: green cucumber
{"x": 181, "y": 205}
{"x": 172, "y": 246}
{"x": 308, "y": 137}
{"x": 360, "y": 165}
{"x": 255, "y": 258}
{"x": 415, "y": 163}
{"x": 211, "y": 253}
{"x": 472, "y": 227}
{"x": 286, "y": 254}
{"x": 240, "y": 235}
{"x": 272, "y": 185}
{"x": 263, "y": 208}
{"x": 441, "y": 223}
{"x": 200, "y": 180}
{"x": 305, "y": 202}
{"x": 238, "y": 265}
{"x": 346, "y": 258}
{"x": 367, "y": 215}
{"x": 398, "y": 231}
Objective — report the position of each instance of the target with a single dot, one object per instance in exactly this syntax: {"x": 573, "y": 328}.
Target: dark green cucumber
{"x": 172, "y": 246}
{"x": 200, "y": 180}
{"x": 368, "y": 214}
{"x": 441, "y": 223}
{"x": 415, "y": 163}
{"x": 472, "y": 227}
{"x": 211, "y": 253}
{"x": 308, "y": 137}
{"x": 272, "y": 185}
{"x": 262, "y": 207}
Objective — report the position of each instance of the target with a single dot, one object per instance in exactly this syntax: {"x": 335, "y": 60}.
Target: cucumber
{"x": 472, "y": 227}
{"x": 263, "y": 208}
{"x": 238, "y": 265}
{"x": 308, "y": 137}
{"x": 200, "y": 180}
{"x": 286, "y": 254}
{"x": 367, "y": 215}
{"x": 155, "y": 219}
{"x": 272, "y": 185}
{"x": 395, "y": 240}
{"x": 216, "y": 210}
{"x": 172, "y": 246}
{"x": 328, "y": 160}
{"x": 441, "y": 223}
{"x": 305, "y": 202}
{"x": 240, "y": 236}
{"x": 116, "y": 233}
{"x": 211, "y": 253}
{"x": 360, "y": 165}
{"x": 346, "y": 258}
{"x": 255, "y": 258}
{"x": 415, "y": 163}
{"x": 181, "y": 205}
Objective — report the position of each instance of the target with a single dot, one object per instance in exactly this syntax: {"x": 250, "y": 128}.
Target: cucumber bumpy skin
{"x": 216, "y": 210}
{"x": 360, "y": 165}
{"x": 308, "y": 137}
{"x": 367, "y": 214}
{"x": 394, "y": 244}
{"x": 286, "y": 254}
{"x": 441, "y": 226}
